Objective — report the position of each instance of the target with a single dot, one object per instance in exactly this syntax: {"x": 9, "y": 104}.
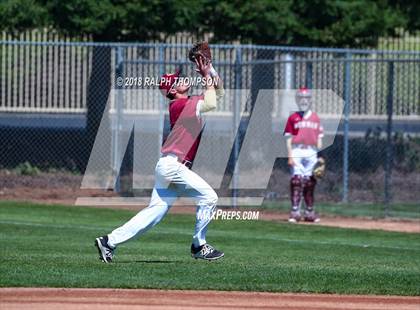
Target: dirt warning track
{"x": 64, "y": 299}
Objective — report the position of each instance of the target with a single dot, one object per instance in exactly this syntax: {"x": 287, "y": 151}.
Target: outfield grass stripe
{"x": 217, "y": 233}
{"x": 274, "y": 238}
{"x": 61, "y": 226}
{"x": 53, "y": 246}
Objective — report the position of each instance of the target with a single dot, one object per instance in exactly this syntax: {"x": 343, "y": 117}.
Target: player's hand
{"x": 203, "y": 66}
{"x": 291, "y": 162}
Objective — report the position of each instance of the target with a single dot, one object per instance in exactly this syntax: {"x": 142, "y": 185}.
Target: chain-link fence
{"x": 53, "y": 96}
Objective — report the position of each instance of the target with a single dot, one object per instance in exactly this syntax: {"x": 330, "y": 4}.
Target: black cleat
{"x": 206, "y": 252}
{"x": 106, "y": 253}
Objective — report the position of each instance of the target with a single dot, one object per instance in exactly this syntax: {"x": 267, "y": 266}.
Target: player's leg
{"x": 309, "y": 183}
{"x": 295, "y": 198}
{"x": 296, "y": 188}
{"x": 206, "y": 199}
{"x": 163, "y": 196}
{"x": 159, "y": 205}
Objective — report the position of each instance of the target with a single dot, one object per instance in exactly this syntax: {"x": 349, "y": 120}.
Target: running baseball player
{"x": 304, "y": 132}
{"x": 173, "y": 174}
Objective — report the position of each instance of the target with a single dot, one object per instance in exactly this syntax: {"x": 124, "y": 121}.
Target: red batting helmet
{"x": 168, "y": 80}
{"x": 303, "y": 92}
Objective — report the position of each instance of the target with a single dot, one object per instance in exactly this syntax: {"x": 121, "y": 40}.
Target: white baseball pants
{"x": 172, "y": 180}
{"x": 305, "y": 160}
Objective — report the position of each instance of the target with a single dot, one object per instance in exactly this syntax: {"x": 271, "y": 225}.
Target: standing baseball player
{"x": 304, "y": 132}
{"x": 173, "y": 175}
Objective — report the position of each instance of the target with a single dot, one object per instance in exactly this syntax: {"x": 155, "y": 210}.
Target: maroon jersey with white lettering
{"x": 304, "y": 129}
{"x": 186, "y": 127}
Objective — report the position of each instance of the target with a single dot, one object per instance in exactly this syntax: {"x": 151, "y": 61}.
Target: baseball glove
{"x": 200, "y": 49}
{"x": 319, "y": 168}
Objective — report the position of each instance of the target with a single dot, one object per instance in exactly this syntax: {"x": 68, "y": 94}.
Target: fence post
{"x": 308, "y": 76}
{"x": 236, "y": 120}
{"x": 161, "y": 99}
{"x": 289, "y": 72}
{"x": 117, "y": 126}
{"x": 389, "y": 147}
{"x": 347, "y": 98}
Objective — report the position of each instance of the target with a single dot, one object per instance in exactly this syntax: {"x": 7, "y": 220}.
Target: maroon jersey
{"x": 186, "y": 127}
{"x": 304, "y": 129}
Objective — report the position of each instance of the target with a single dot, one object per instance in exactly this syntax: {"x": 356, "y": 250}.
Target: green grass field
{"x": 53, "y": 246}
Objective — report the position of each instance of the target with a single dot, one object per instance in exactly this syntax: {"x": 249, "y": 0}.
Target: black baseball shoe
{"x": 106, "y": 253}
{"x": 206, "y": 251}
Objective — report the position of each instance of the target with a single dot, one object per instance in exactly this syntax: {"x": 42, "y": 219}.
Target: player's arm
{"x": 210, "y": 99}
{"x": 320, "y": 136}
{"x": 289, "y": 152}
{"x": 289, "y": 146}
{"x": 209, "y": 103}
{"x": 214, "y": 91}
{"x": 319, "y": 143}
{"x": 288, "y": 132}
{"x": 218, "y": 83}
{"x": 214, "y": 86}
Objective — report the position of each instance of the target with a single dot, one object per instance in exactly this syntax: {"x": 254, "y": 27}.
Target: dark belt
{"x": 185, "y": 162}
